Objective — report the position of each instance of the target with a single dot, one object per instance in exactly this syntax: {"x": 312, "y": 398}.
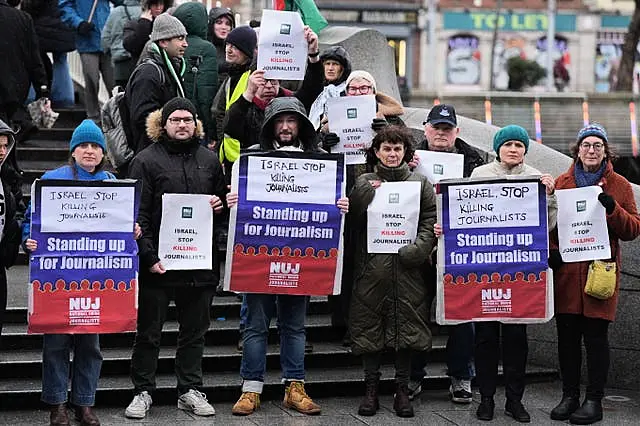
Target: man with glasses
{"x": 441, "y": 134}
{"x": 157, "y": 80}
{"x": 175, "y": 163}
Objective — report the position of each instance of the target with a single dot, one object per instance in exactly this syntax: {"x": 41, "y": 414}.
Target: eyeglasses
{"x": 273, "y": 83}
{"x": 177, "y": 120}
{"x": 586, "y": 146}
{"x": 363, "y": 90}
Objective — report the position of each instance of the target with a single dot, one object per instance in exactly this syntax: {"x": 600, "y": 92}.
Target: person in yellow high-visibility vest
{"x": 240, "y": 51}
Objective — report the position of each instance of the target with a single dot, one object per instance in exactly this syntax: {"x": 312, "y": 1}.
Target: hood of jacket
{"x": 155, "y": 131}
{"x": 8, "y": 131}
{"x": 194, "y": 18}
{"x": 306, "y": 132}
{"x": 214, "y": 14}
{"x": 338, "y": 53}
{"x": 388, "y": 106}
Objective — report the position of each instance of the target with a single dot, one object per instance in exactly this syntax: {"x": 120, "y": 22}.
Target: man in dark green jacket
{"x": 201, "y": 76}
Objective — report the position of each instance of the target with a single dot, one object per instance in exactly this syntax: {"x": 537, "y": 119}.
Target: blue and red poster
{"x": 285, "y": 234}
{"x": 83, "y": 274}
{"x": 493, "y": 254}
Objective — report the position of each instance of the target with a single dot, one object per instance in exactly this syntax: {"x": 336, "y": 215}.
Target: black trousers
{"x": 193, "y": 306}
{"x": 515, "y": 349}
{"x": 572, "y": 328}
{"x": 371, "y": 364}
{"x": 3, "y": 296}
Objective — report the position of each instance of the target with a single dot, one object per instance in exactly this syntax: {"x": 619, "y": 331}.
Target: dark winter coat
{"x": 389, "y": 306}
{"x": 112, "y": 35}
{"x": 12, "y": 204}
{"x": 472, "y": 158}
{"x": 148, "y": 91}
{"x": 218, "y": 109}
{"x": 137, "y": 31}
{"x": 623, "y": 224}
{"x": 21, "y": 64}
{"x": 53, "y": 34}
{"x": 219, "y": 44}
{"x": 178, "y": 168}
{"x": 200, "y": 80}
{"x": 244, "y": 119}
{"x": 306, "y": 133}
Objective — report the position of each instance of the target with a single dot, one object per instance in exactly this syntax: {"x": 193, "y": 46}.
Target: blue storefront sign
{"x": 486, "y": 21}
{"x": 615, "y": 21}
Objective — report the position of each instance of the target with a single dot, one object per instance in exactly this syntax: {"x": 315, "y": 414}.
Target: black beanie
{"x": 174, "y": 105}
{"x": 244, "y": 38}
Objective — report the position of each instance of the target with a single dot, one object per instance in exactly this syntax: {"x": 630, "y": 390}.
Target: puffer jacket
{"x": 53, "y": 34}
{"x": 12, "y": 204}
{"x": 177, "y": 167}
{"x": 112, "y": 34}
{"x": 623, "y": 224}
{"x": 389, "y": 306}
{"x": 74, "y": 12}
{"x": 220, "y": 45}
{"x": 201, "y": 76}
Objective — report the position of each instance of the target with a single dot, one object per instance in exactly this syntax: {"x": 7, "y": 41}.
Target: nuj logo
{"x": 284, "y": 274}
{"x": 496, "y": 294}
{"x": 84, "y": 303}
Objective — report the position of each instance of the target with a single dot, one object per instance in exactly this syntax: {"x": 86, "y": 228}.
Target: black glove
{"x": 555, "y": 260}
{"x": 329, "y": 140}
{"x": 85, "y": 28}
{"x": 43, "y": 92}
{"x": 607, "y": 201}
{"x": 379, "y": 124}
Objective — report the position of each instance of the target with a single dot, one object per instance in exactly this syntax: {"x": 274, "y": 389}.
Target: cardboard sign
{"x": 282, "y": 47}
{"x": 350, "y": 118}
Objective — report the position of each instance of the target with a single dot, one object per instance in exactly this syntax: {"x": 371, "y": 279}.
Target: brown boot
{"x": 86, "y": 417}
{"x": 295, "y": 397}
{"x": 370, "y": 404}
{"x": 401, "y": 403}
{"x": 246, "y": 404}
{"x": 58, "y": 415}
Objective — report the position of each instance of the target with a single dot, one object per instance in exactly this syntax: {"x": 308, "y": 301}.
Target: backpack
{"x": 115, "y": 123}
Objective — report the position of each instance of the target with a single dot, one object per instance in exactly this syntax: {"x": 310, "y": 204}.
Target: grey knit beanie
{"x": 166, "y": 27}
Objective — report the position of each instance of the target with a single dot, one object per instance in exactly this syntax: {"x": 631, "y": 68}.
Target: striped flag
{"x": 311, "y": 16}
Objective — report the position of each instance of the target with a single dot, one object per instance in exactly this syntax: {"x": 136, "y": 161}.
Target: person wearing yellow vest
{"x": 240, "y": 51}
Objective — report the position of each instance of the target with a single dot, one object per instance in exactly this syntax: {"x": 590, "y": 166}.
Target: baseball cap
{"x": 442, "y": 114}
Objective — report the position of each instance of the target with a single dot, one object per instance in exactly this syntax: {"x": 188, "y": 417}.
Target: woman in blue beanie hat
{"x": 86, "y": 160}
{"x": 511, "y": 144}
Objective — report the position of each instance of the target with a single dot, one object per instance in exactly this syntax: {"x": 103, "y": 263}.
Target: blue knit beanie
{"x": 510, "y": 133}
{"x": 87, "y": 131}
{"x": 593, "y": 129}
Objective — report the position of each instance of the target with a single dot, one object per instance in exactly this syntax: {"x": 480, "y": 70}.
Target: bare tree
{"x": 625, "y": 72}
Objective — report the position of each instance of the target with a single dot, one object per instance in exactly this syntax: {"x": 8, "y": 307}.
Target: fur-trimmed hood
{"x": 388, "y": 106}
{"x": 155, "y": 131}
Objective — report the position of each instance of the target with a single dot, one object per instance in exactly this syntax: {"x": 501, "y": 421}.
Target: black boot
{"x": 370, "y": 404}
{"x": 565, "y": 408}
{"x": 485, "y": 409}
{"x": 401, "y": 403}
{"x": 589, "y": 412}
{"x": 516, "y": 410}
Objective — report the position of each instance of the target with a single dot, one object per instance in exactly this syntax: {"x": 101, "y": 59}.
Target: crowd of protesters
{"x": 193, "y": 100}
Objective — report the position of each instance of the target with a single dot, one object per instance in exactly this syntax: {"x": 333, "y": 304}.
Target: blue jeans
{"x": 243, "y": 312}
{"x": 291, "y": 312}
{"x": 87, "y": 361}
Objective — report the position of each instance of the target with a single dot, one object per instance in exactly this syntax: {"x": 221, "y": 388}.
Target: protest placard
{"x": 492, "y": 257}
{"x": 350, "y": 118}
{"x": 186, "y": 232}
{"x": 83, "y": 276}
{"x": 282, "y": 47}
{"x": 435, "y": 165}
{"x": 582, "y": 225}
{"x": 285, "y": 234}
{"x": 392, "y": 216}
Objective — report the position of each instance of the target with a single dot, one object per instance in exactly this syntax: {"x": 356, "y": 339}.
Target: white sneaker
{"x": 460, "y": 391}
{"x": 139, "y": 406}
{"x": 196, "y": 402}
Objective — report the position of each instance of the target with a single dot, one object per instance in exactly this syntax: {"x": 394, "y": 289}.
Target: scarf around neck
{"x": 585, "y": 178}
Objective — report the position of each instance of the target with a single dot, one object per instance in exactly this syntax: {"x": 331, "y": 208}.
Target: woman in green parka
{"x": 201, "y": 76}
{"x": 389, "y": 305}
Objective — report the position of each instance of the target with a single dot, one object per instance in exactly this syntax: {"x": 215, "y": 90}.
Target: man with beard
{"x": 286, "y": 127}
{"x": 176, "y": 163}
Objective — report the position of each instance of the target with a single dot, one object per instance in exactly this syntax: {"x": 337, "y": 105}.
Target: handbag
{"x": 601, "y": 279}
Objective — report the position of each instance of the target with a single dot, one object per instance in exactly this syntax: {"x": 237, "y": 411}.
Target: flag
{"x": 311, "y": 16}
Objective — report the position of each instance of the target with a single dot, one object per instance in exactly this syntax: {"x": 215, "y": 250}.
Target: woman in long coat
{"x": 389, "y": 305}
{"x": 578, "y": 315}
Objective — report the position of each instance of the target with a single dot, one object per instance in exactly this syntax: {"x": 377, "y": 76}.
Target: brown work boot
{"x": 247, "y": 404}
{"x": 86, "y": 416}
{"x": 370, "y": 404}
{"x": 295, "y": 397}
{"x": 58, "y": 415}
{"x": 401, "y": 403}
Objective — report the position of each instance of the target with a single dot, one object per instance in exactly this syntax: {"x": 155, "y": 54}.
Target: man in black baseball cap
{"x": 441, "y": 134}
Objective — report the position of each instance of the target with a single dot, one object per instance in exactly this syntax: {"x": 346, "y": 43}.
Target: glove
{"x": 379, "y": 124}
{"x": 329, "y": 140}
{"x": 555, "y": 260}
{"x": 607, "y": 201}
{"x": 43, "y": 92}
{"x": 85, "y": 28}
